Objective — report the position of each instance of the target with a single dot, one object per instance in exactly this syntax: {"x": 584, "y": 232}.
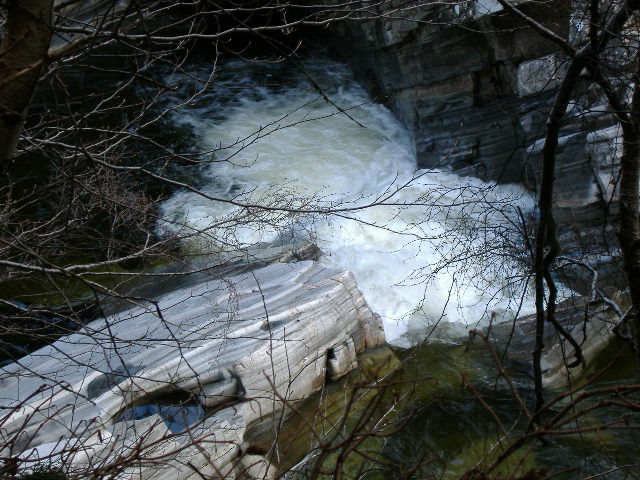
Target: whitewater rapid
{"x": 427, "y": 247}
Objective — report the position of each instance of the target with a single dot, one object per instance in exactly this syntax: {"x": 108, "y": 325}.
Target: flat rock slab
{"x": 589, "y": 322}
{"x": 168, "y": 390}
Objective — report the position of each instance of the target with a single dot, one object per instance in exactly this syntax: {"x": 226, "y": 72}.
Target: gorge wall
{"x": 475, "y": 84}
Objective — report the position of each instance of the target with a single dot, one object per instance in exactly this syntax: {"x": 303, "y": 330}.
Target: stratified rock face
{"x": 588, "y": 321}
{"x": 166, "y": 391}
{"x": 475, "y": 84}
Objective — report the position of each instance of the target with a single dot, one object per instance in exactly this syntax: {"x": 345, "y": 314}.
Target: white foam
{"x": 420, "y": 259}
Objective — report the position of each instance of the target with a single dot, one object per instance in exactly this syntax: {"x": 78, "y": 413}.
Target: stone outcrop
{"x": 75, "y": 16}
{"x": 171, "y": 389}
{"x": 590, "y": 322}
{"x": 474, "y": 83}
{"x": 225, "y": 264}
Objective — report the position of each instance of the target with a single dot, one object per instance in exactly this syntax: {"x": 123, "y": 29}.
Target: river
{"x": 435, "y": 254}
{"x": 427, "y": 247}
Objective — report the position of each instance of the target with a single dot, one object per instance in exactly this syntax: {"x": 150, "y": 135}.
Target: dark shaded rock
{"x": 592, "y": 272}
{"x": 456, "y": 84}
{"x": 475, "y": 84}
{"x": 590, "y": 323}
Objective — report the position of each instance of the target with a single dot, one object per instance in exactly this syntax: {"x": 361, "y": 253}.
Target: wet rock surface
{"x": 475, "y": 85}
{"x": 171, "y": 389}
{"x": 589, "y": 321}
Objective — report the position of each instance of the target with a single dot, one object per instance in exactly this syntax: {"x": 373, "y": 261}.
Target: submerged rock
{"x": 170, "y": 390}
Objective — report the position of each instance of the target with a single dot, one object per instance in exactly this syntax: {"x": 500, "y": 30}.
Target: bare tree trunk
{"x": 629, "y": 209}
{"x": 546, "y": 233}
{"x": 630, "y": 228}
{"x": 547, "y": 246}
{"x": 23, "y": 52}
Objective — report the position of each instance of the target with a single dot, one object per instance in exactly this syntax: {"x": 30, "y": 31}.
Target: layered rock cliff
{"x": 475, "y": 84}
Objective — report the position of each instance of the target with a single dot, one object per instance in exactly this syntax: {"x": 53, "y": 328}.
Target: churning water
{"x": 427, "y": 247}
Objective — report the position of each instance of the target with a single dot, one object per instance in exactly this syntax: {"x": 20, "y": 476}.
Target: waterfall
{"x": 427, "y": 247}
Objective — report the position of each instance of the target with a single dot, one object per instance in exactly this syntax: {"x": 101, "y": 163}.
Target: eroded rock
{"x": 475, "y": 85}
{"x": 589, "y": 322}
{"x": 162, "y": 391}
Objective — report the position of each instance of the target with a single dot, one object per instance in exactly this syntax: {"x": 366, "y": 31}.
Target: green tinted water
{"x": 428, "y": 423}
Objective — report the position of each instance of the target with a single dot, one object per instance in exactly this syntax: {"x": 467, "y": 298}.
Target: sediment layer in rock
{"x": 166, "y": 389}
